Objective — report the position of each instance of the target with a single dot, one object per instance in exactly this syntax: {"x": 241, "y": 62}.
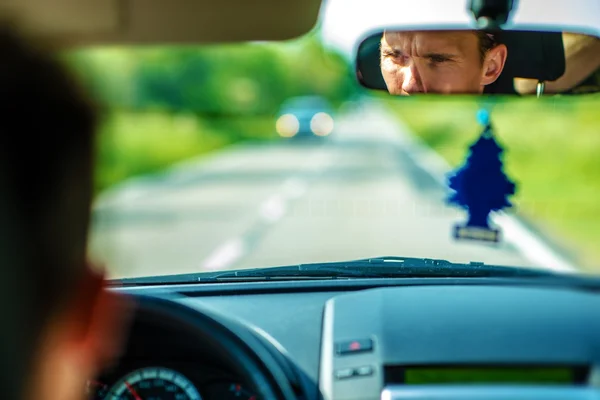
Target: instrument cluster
{"x": 181, "y": 382}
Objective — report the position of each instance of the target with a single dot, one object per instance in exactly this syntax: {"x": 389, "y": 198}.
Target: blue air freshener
{"x": 480, "y": 186}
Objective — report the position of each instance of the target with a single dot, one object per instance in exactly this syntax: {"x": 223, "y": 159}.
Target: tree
{"x": 216, "y": 80}
{"x": 480, "y": 185}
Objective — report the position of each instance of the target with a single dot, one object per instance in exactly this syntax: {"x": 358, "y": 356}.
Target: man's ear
{"x": 99, "y": 321}
{"x": 82, "y": 338}
{"x": 494, "y": 64}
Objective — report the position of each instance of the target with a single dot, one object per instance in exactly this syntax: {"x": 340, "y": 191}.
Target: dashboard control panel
{"x": 394, "y": 340}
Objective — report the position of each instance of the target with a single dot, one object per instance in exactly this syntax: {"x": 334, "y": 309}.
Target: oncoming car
{"x": 305, "y": 117}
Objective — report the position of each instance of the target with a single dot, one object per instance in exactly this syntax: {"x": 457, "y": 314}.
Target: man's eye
{"x": 438, "y": 59}
{"x": 396, "y": 55}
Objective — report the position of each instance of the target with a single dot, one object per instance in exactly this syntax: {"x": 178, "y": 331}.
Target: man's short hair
{"x": 46, "y": 148}
{"x": 487, "y": 41}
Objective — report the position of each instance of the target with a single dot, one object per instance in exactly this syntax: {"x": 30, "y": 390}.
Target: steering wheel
{"x": 236, "y": 345}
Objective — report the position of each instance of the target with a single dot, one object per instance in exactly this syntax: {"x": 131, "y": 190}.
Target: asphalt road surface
{"x": 364, "y": 191}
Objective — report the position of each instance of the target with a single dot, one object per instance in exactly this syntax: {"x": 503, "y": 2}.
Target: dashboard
{"x": 373, "y": 339}
{"x": 162, "y": 360}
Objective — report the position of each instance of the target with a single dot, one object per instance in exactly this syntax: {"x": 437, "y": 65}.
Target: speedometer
{"x": 154, "y": 383}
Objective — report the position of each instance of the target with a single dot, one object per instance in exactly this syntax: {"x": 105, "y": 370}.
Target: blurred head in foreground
{"x": 445, "y": 62}
{"x": 59, "y": 324}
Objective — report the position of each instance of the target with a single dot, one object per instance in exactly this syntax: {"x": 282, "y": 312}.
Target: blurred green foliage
{"x": 244, "y": 78}
{"x": 164, "y": 104}
{"x": 552, "y": 151}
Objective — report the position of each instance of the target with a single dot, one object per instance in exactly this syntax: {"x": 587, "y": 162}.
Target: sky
{"x": 345, "y": 22}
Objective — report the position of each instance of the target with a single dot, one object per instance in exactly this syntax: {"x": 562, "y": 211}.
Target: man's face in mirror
{"x": 440, "y": 61}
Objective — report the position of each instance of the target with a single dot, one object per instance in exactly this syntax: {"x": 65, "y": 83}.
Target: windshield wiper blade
{"x": 366, "y": 268}
{"x": 380, "y": 267}
{"x": 383, "y": 267}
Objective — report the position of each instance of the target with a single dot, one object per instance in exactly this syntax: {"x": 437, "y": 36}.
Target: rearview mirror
{"x": 478, "y": 62}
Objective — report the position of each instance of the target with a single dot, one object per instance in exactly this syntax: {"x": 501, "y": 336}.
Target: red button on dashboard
{"x": 354, "y": 346}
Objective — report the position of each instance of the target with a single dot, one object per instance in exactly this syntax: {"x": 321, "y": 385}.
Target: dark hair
{"x": 46, "y": 147}
{"x": 487, "y": 41}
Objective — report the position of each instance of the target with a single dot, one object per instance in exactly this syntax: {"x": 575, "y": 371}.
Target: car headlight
{"x": 287, "y": 125}
{"x": 321, "y": 124}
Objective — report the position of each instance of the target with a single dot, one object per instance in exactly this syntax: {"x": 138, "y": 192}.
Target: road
{"x": 365, "y": 191}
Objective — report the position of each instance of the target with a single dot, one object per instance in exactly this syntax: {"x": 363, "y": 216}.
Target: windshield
{"x": 267, "y": 154}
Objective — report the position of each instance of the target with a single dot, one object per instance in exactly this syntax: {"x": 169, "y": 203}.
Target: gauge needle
{"x": 132, "y": 391}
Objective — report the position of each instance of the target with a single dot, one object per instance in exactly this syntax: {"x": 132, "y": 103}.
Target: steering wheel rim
{"x": 236, "y": 344}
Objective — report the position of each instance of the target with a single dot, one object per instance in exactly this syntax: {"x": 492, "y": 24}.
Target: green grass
{"x": 138, "y": 143}
{"x": 552, "y": 152}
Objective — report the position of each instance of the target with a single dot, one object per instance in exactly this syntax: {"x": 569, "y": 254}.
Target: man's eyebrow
{"x": 448, "y": 56}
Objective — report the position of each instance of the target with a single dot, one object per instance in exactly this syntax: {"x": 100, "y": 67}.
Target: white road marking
{"x": 528, "y": 244}
{"x": 225, "y": 255}
{"x": 269, "y": 211}
{"x": 274, "y": 208}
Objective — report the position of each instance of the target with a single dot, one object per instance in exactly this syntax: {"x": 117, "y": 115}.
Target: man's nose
{"x": 412, "y": 80}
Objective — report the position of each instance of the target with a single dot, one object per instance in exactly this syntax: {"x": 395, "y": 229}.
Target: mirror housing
{"x": 531, "y": 55}
{"x": 491, "y": 14}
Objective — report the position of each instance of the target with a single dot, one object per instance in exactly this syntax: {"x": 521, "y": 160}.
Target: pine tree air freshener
{"x": 480, "y": 186}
